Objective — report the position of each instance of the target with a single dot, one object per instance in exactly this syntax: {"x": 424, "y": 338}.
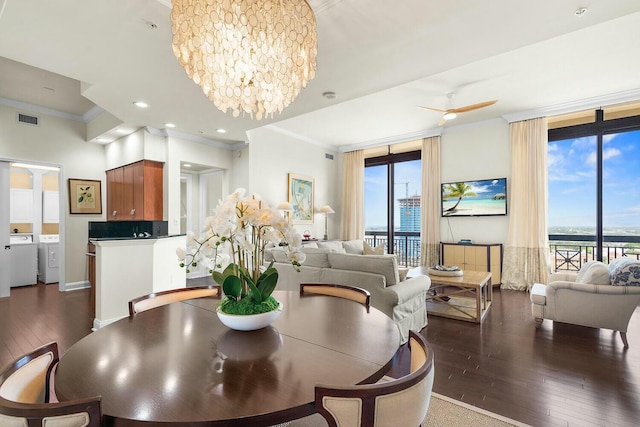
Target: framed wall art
{"x": 301, "y": 198}
{"x": 85, "y": 196}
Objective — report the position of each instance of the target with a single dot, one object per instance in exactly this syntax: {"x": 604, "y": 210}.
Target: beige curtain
{"x": 353, "y": 196}
{"x": 527, "y": 248}
{"x": 430, "y": 202}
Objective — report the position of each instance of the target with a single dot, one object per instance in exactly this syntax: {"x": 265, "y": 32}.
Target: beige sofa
{"x": 401, "y": 300}
{"x": 598, "y": 296}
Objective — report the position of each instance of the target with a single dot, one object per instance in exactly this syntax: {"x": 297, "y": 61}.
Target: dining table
{"x": 179, "y": 365}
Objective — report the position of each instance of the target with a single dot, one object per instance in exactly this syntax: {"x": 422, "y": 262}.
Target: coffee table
{"x": 467, "y": 297}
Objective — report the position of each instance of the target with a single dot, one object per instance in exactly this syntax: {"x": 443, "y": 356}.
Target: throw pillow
{"x": 625, "y": 272}
{"x": 335, "y": 245}
{"x": 368, "y": 250}
{"x": 584, "y": 270}
{"x": 402, "y": 273}
{"x": 596, "y": 274}
{"x": 353, "y": 247}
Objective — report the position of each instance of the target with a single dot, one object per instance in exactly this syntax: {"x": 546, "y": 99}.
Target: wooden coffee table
{"x": 467, "y": 297}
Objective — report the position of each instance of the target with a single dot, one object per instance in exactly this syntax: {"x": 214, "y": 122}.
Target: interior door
{"x": 5, "y": 247}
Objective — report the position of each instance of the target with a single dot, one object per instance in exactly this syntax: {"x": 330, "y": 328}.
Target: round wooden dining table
{"x": 179, "y": 364}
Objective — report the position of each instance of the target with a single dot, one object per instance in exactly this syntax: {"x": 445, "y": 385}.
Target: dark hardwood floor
{"x": 558, "y": 375}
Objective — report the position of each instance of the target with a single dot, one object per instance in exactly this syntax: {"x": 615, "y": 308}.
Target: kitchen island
{"x": 127, "y": 268}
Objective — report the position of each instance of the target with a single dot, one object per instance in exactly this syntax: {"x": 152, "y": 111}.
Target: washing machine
{"x": 48, "y": 258}
{"x": 24, "y": 266}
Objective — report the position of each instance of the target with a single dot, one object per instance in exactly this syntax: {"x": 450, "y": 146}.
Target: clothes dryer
{"x": 48, "y": 258}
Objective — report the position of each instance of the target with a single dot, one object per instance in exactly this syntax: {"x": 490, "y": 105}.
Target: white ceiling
{"x": 381, "y": 58}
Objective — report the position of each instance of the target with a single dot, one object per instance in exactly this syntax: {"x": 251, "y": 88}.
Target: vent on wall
{"x": 30, "y": 120}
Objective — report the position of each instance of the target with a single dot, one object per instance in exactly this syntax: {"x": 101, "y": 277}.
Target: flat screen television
{"x": 486, "y": 197}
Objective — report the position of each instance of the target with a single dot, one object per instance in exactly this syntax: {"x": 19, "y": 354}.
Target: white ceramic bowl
{"x": 249, "y": 322}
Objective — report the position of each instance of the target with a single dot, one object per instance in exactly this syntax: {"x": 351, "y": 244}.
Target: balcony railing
{"x": 568, "y": 251}
{"x": 406, "y": 245}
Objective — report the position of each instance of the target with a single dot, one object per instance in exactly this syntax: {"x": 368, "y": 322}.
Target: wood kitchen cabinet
{"x": 474, "y": 257}
{"x": 135, "y": 192}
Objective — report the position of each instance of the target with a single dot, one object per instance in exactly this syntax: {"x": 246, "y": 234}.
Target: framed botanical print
{"x": 301, "y": 198}
{"x": 85, "y": 196}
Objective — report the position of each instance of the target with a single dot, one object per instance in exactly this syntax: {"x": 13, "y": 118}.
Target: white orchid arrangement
{"x": 232, "y": 248}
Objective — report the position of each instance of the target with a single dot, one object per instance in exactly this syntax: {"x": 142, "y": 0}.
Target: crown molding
{"x": 300, "y": 137}
{"x": 396, "y": 139}
{"x": 570, "y": 107}
{"x": 42, "y": 110}
{"x": 196, "y": 138}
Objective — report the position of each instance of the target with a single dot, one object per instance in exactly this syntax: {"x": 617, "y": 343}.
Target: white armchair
{"x": 596, "y": 296}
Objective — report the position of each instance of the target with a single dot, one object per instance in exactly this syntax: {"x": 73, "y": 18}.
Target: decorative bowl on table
{"x": 249, "y": 322}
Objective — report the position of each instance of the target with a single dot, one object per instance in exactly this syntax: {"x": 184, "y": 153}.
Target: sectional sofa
{"x": 403, "y": 300}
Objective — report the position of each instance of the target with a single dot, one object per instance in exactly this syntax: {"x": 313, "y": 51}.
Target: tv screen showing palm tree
{"x": 475, "y": 198}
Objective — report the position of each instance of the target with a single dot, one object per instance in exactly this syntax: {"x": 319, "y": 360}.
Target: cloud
{"x": 608, "y": 138}
{"x": 610, "y": 153}
{"x": 606, "y": 155}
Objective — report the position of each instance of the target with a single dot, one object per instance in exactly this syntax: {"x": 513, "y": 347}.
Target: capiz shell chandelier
{"x": 253, "y": 56}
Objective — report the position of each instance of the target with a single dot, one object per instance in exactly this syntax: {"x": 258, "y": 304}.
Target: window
{"x": 594, "y": 190}
{"x": 392, "y": 196}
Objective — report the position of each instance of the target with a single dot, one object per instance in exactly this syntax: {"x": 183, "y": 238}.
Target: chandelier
{"x": 253, "y": 56}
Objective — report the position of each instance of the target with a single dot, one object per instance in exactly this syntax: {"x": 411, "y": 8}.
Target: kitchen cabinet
{"x": 474, "y": 257}
{"x": 135, "y": 192}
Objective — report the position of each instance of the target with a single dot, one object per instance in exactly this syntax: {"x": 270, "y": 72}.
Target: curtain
{"x": 527, "y": 248}
{"x": 353, "y": 196}
{"x": 430, "y": 202}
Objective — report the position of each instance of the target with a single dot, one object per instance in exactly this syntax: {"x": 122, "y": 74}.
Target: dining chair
{"x": 24, "y": 395}
{"x": 397, "y": 402}
{"x": 157, "y": 299}
{"x": 353, "y": 293}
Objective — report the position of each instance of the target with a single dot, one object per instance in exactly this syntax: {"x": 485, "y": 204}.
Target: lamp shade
{"x": 285, "y": 206}
{"x": 326, "y": 209}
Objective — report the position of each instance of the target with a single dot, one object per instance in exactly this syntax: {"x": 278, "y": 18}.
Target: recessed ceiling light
{"x": 50, "y": 89}
{"x": 329, "y": 95}
{"x": 221, "y": 130}
{"x": 150, "y": 25}
{"x": 141, "y": 104}
{"x": 169, "y": 125}
{"x": 186, "y": 165}
{"x": 580, "y": 11}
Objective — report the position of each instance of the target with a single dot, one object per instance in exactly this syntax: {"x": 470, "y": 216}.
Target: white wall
{"x": 59, "y": 142}
{"x": 179, "y": 150}
{"x": 473, "y": 152}
{"x": 274, "y": 155}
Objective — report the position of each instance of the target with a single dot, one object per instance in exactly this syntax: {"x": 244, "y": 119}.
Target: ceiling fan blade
{"x": 442, "y": 121}
{"x": 433, "y": 109}
{"x": 474, "y": 106}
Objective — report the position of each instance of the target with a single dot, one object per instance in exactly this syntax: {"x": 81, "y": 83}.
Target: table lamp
{"x": 326, "y": 210}
{"x": 287, "y": 208}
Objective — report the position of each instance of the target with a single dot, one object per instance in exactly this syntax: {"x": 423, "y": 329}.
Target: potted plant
{"x": 232, "y": 247}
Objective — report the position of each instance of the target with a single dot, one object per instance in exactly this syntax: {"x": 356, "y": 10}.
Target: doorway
{"x": 201, "y": 187}
{"x": 30, "y": 201}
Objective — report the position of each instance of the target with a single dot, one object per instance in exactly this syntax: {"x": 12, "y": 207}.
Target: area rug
{"x": 443, "y": 412}
{"x": 446, "y": 412}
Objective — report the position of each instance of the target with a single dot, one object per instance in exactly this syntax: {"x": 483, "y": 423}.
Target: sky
{"x": 375, "y": 190}
{"x": 572, "y": 181}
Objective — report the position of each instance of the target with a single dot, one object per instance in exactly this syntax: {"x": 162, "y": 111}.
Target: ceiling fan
{"x": 451, "y": 113}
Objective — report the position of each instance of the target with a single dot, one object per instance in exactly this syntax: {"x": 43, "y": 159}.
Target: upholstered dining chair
{"x": 353, "y": 293}
{"x": 24, "y": 395}
{"x": 399, "y": 402}
{"x": 157, "y": 299}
